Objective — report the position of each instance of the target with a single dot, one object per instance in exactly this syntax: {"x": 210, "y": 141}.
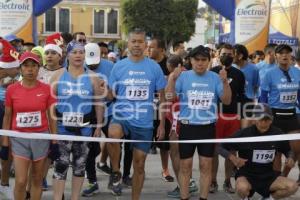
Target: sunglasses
{"x": 82, "y": 40}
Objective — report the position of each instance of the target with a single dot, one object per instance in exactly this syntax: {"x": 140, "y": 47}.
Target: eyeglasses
{"x": 82, "y": 40}
{"x": 286, "y": 74}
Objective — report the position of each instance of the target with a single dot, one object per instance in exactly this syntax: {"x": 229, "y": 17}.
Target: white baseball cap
{"x": 92, "y": 54}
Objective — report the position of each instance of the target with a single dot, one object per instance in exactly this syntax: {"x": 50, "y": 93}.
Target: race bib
{"x": 201, "y": 101}
{"x": 263, "y": 156}
{"x": 137, "y": 92}
{"x": 29, "y": 119}
{"x": 288, "y": 97}
{"x": 72, "y": 119}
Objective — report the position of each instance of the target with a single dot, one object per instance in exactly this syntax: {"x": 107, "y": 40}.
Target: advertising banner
{"x": 251, "y": 23}
{"x": 16, "y": 18}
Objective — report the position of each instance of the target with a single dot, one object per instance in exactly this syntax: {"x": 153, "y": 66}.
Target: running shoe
{"x": 104, "y": 168}
{"x": 174, "y": 193}
{"x": 92, "y": 189}
{"x": 193, "y": 186}
{"x": 213, "y": 187}
{"x": 153, "y": 150}
{"x": 126, "y": 182}
{"x": 45, "y": 185}
{"x": 227, "y": 187}
{"x": 167, "y": 177}
{"x": 7, "y": 191}
{"x": 116, "y": 184}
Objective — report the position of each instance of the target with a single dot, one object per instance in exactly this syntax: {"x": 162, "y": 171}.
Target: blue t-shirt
{"x": 263, "y": 68}
{"x": 104, "y": 70}
{"x": 251, "y": 80}
{"x": 198, "y": 96}
{"x": 74, "y": 100}
{"x": 282, "y": 94}
{"x": 135, "y": 84}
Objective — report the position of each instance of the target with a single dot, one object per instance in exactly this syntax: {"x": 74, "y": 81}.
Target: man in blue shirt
{"x": 133, "y": 82}
{"x": 269, "y": 61}
{"x": 198, "y": 91}
{"x": 280, "y": 88}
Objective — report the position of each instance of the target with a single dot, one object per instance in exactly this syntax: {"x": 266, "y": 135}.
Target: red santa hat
{"x": 54, "y": 42}
{"x": 10, "y": 57}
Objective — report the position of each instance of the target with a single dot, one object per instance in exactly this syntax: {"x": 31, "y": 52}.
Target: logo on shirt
{"x": 131, "y": 73}
{"x": 39, "y": 95}
{"x": 199, "y": 85}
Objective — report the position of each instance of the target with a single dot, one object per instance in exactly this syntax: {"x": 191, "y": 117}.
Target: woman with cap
{"x": 77, "y": 90}
{"x": 28, "y": 105}
{"x": 280, "y": 88}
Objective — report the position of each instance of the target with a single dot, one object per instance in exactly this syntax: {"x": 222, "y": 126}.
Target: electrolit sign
{"x": 14, "y": 15}
{"x": 251, "y": 17}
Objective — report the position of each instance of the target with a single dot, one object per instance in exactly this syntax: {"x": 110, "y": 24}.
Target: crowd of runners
{"x": 70, "y": 86}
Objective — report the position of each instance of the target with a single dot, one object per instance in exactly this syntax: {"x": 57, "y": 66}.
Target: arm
{"x": 51, "y": 115}
{"x": 226, "y": 97}
{"x": 6, "y": 125}
{"x": 99, "y": 89}
{"x": 162, "y": 108}
{"x": 170, "y": 93}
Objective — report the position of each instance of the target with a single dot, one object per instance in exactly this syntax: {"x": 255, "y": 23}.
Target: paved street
{"x": 154, "y": 187}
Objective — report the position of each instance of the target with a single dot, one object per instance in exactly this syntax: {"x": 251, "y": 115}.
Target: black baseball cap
{"x": 262, "y": 111}
{"x": 281, "y": 47}
{"x": 199, "y": 50}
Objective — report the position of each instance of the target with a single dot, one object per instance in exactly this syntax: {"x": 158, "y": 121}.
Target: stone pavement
{"x": 154, "y": 187}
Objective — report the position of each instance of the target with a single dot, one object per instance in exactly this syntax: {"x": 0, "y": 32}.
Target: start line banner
{"x": 45, "y": 136}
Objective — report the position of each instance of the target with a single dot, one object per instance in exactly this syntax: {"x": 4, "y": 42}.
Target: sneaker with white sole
{"x": 7, "y": 191}
{"x": 91, "y": 190}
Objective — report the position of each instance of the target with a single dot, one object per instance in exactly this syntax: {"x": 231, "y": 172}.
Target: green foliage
{"x": 171, "y": 20}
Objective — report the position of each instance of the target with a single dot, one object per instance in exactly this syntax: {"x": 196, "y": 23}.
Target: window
{"x": 99, "y": 18}
{"x": 64, "y": 20}
{"x": 112, "y": 22}
{"x": 106, "y": 21}
{"x": 57, "y": 20}
{"x": 50, "y": 20}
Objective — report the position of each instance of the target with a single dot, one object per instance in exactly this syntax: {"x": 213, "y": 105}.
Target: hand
{"x": 103, "y": 87}
{"x": 97, "y": 132}
{"x": 54, "y": 153}
{"x": 290, "y": 163}
{"x": 223, "y": 74}
{"x": 4, "y": 153}
{"x": 176, "y": 73}
{"x": 238, "y": 162}
{"x": 160, "y": 134}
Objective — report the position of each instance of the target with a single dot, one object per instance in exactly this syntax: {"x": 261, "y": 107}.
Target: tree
{"x": 170, "y": 20}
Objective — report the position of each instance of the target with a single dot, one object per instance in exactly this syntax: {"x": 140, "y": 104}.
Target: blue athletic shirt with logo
{"x": 252, "y": 80}
{"x": 103, "y": 70}
{"x": 74, "y": 99}
{"x": 263, "y": 68}
{"x": 198, "y": 96}
{"x": 282, "y": 94}
{"x": 134, "y": 84}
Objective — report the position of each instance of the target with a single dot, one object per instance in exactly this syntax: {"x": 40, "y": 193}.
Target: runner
{"x": 102, "y": 68}
{"x": 9, "y": 71}
{"x": 134, "y": 80}
{"x": 28, "y": 105}
{"x": 255, "y": 162}
{"x": 198, "y": 92}
{"x": 229, "y": 120}
{"x": 251, "y": 81}
{"x": 269, "y": 61}
{"x": 157, "y": 52}
{"x": 77, "y": 90}
{"x": 280, "y": 89}
{"x": 53, "y": 55}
